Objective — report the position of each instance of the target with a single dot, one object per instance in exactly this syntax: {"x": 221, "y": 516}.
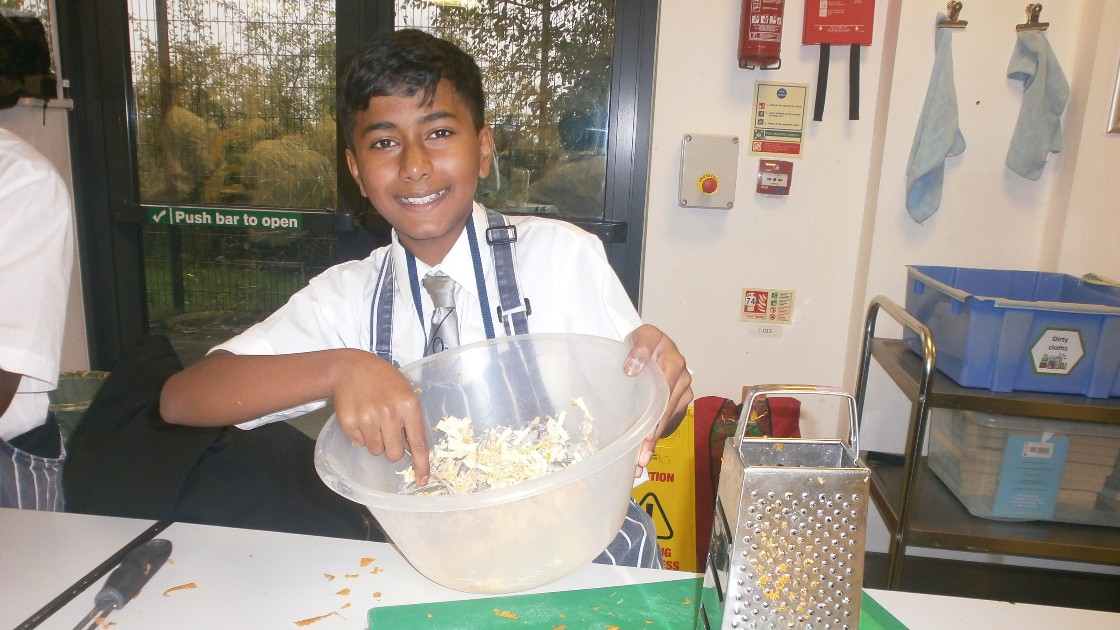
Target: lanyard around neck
{"x": 479, "y": 281}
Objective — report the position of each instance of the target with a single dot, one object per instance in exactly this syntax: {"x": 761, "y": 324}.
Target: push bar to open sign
{"x": 225, "y": 217}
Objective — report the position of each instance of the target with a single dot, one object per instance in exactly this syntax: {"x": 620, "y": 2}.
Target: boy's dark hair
{"x": 25, "y": 59}
{"x": 404, "y": 63}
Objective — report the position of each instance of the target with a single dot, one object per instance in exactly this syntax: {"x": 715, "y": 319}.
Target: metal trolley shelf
{"x": 917, "y": 508}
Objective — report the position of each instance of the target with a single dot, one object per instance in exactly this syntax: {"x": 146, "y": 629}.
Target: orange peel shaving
{"x": 311, "y": 620}
{"x": 181, "y": 587}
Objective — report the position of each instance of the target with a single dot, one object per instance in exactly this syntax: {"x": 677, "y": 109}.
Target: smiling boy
{"x": 411, "y": 108}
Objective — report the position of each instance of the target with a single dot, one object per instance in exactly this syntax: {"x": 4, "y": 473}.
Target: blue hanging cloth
{"x": 1038, "y": 132}
{"x": 938, "y": 135}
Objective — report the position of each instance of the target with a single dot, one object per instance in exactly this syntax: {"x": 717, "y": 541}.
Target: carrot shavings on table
{"x": 365, "y": 562}
{"x": 311, "y": 620}
{"x": 505, "y": 613}
{"x": 328, "y": 576}
{"x": 181, "y": 587}
{"x": 344, "y": 591}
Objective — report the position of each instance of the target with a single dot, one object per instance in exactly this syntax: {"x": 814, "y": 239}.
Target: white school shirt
{"x": 562, "y": 270}
{"x": 36, "y": 255}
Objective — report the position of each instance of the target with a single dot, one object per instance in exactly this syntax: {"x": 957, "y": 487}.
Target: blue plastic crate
{"x": 1019, "y": 330}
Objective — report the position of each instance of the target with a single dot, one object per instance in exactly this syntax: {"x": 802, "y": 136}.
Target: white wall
{"x": 47, "y": 131}
{"x": 1089, "y": 240}
{"x": 697, "y": 261}
{"x": 843, "y": 235}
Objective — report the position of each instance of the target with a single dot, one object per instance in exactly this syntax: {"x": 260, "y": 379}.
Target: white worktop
{"x": 256, "y": 579}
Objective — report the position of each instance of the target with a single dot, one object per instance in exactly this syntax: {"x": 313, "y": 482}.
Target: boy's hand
{"x": 377, "y": 408}
{"x": 649, "y": 343}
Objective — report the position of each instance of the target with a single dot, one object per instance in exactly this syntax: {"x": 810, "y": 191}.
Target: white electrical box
{"x": 709, "y": 165}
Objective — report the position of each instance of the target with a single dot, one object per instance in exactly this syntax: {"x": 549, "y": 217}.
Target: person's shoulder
{"x": 529, "y": 226}
{"x": 353, "y": 272}
{"x": 19, "y": 157}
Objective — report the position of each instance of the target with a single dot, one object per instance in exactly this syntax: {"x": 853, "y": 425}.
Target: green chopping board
{"x": 872, "y": 616}
{"x": 670, "y": 605}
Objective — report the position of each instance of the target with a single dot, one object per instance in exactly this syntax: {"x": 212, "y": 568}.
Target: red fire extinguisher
{"x": 760, "y": 34}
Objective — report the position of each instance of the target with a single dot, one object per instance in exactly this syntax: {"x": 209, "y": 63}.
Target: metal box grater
{"x": 789, "y": 529}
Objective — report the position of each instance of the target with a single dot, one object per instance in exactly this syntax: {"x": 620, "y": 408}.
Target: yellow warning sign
{"x": 669, "y": 497}
{"x": 652, "y": 506}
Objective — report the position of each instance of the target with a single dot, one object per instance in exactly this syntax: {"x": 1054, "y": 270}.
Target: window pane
{"x": 234, "y": 105}
{"x": 234, "y": 101}
{"x": 546, "y": 68}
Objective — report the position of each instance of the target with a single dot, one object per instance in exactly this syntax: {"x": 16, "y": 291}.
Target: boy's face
{"x": 419, "y": 166}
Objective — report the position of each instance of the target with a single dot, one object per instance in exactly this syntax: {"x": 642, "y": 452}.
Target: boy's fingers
{"x": 418, "y": 445}
{"x": 643, "y": 341}
{"x": 679, "y": 400}
{"x": 645, "y": 452}
{"x": 353, "y": 430}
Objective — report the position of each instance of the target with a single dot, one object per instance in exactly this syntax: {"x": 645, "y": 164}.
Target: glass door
{"x": 236, "y": 159}
{"x": 548, "y": 96}
{"x": 570, "y": 87}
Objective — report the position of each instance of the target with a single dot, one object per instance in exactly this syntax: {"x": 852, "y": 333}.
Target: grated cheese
{"x": 464, "y": 460}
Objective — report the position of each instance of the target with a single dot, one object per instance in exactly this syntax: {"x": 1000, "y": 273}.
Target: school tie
{"x": 445, "y": 324}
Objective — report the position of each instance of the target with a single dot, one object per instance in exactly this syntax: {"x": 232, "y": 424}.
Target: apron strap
{"x": 513, "y": 311}
{"x": 381, "y": 312}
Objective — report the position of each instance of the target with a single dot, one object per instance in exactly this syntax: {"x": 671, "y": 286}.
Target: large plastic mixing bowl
{"x": 533, "y": 533}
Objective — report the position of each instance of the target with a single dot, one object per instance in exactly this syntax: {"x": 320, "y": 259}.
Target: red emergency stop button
{"x": 709, "y": 184}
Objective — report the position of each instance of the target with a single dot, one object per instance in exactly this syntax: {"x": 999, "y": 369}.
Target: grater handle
{"x": 789, "y": 390}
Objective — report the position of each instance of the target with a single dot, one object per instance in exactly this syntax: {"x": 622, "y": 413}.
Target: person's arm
{"x": 650, "y": 343}
{"x": 9, "y": 383}
{"x": 374, "y": 404}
